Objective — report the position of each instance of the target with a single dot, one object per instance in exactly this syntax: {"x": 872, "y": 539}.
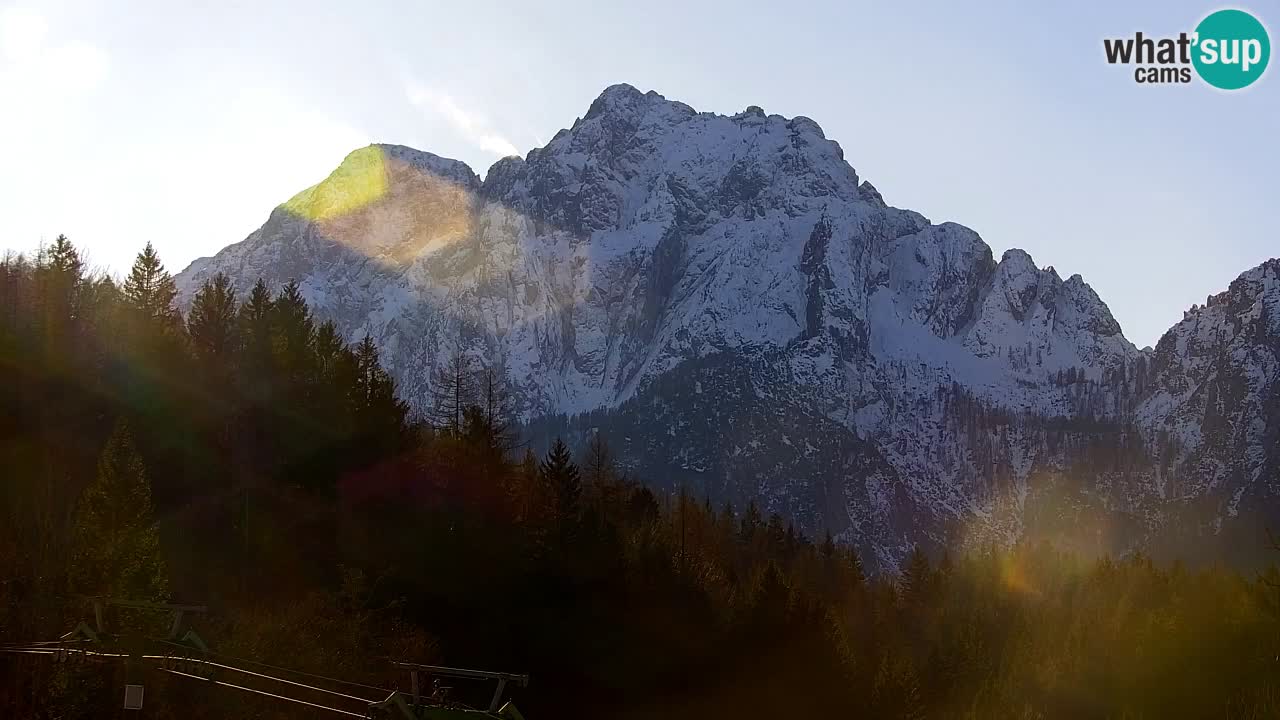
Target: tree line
{"x": 248, "y": 456}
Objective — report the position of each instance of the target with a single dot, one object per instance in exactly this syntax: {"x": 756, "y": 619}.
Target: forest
{"x": 247, "y": 457}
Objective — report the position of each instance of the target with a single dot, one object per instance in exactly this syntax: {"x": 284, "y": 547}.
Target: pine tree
{"x": 292, "y": 341}
{"x": 725, "y": 520}
{"x": 328, "y": 347}
{"x": 917, "y": 577}
{"x": 828, "y": 547}
{"x": 255, "y": 314}
{"x": 769, "y": 605}
{"x": 751, "y": 522}
{"x": 775, "y": 536}
{"x": 381, "y": 417}
{"x": 62, "y": 275}
{"x": 256, "y": 381}
{"x": 60, "y": 282}
{"x": 149, "y": 289}
{"x": 857, "y": 577}
{"x": 523, "y": 489}
{"x": 116, "y": 546}
{"x": 64, "y": 258}
{"x": 561, "y": 476}
{"x": 212, "y": 322}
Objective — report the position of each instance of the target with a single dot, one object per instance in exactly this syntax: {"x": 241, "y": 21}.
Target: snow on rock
{"x": 730, "y": 278}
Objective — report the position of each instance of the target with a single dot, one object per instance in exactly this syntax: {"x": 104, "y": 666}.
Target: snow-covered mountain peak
{"x": 444, "y": 168}
{"x": 630, "y": 143}
{"x": 695, "y": 281}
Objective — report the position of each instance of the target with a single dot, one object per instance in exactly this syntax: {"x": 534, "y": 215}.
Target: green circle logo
{"x": 1231, "y": 49}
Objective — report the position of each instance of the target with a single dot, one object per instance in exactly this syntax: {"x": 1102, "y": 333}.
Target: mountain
{"x": 741, "y": 315}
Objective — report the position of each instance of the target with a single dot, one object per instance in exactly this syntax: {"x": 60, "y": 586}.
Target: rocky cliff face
{"x": 727, "y": 301}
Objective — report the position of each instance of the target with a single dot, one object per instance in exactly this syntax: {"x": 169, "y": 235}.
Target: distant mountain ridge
{"x": 742, "y": 315}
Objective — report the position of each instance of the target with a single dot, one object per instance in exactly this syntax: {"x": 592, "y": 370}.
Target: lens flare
{"x": 358, "y": 182}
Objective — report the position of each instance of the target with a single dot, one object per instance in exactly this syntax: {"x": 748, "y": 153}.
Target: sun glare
{"x": 358, "y": 182}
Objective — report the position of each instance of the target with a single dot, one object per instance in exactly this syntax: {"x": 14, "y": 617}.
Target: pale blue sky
{"x": 185, "y": 123}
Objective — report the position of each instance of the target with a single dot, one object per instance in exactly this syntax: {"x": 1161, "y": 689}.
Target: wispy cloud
{"x": 45, "y": 81}
{"x": 473, "y": 126}
{"x": 29, "y": 63}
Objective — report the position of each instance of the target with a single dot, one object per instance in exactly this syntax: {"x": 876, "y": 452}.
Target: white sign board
{"x": 132, "y": 697}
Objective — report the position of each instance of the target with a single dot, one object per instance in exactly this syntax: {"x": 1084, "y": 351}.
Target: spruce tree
{"x": 769, "y": 605}
{"x": 61, "y": 280}
{"x": 527, "y": 502}
{"x": 212, "y": 321}
{"x": 916, "y": 579}
{"x": 149, "y": 289}
{"x": 751, "y": 522}
{"x": 255, "y": 314}
{"x": 381, "y": 417}
{"x": 857, "y": 576}
{"x": 329, "y": 347}
{"x": 256, "y": 381}
{"x": 292, "y": 323}
{"x": 63, "y": 258}
{"x": 115, "y": 543}
{"x": 561, "y": 476}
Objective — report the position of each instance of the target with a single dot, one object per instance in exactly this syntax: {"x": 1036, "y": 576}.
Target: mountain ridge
{"x": 650, "y": 252}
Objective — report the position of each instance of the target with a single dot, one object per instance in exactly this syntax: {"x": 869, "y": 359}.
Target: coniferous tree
{"x": 600, "y": 486}
{"x": 256, "y": 380}
{"x": 292, "y": 342}
{"x": 769, "y": 605}
{"x": 917, "y": 576}
{"x": 527, "y": 503}
{"x": 255, "y": 317}
{"x": 380, "y": 416}
{"x": 62, "y": 273}
{"x": 211, "y": 323}
{"x": 642, "y": 506}
{"x": 453, "y": 390}
{"x": 116, "y": 546}
{"x": 559, "y": 473}
{"x": 857, "y": 577}
{"x": 64, "y": 258}
{"x": 751, "y": 523}
{"x": 329, "y": 348}
{"x": 497, "y": 411}
{"x": 775, "y": 536}
{"x": 149, "y": 290}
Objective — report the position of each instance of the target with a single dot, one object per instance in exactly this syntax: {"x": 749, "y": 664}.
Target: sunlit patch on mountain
{"x": 360, "y": 180}
{"x": 390, "y": 203}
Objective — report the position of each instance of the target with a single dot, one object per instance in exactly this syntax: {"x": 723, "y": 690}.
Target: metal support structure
{"x": 442, "y": 671}
{"x": 497, "y": 695}
{"x": 190, "y": 658}
{"x": 522, "y": 680}
{"x": 100, "y": 604}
